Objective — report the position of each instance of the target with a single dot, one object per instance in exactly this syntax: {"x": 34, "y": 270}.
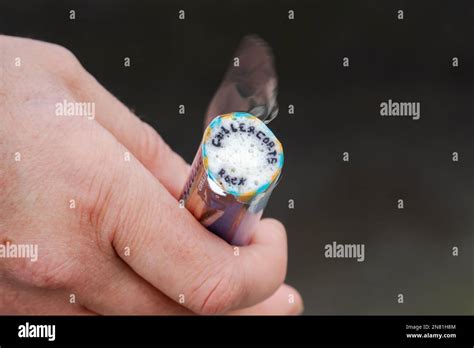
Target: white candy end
{"x": 242, "y": 154}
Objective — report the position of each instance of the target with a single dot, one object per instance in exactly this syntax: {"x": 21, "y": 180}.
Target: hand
{"x": 111, "y": 236}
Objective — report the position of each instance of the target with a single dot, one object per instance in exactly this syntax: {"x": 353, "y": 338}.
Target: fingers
{"x": 285, "y": 301}
{"x": 114, "y": 289}
{"x": 178, "y": 256}
{"x": 169, "y": 248}
{"x": 138, "y": 137}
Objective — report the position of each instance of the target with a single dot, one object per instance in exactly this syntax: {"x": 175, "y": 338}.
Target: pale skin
{"x": 126, "y": 246}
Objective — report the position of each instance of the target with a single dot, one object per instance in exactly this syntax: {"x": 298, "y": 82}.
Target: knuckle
{"x": 278, "y": 227}
{"x": 217, "y": 293}
{"x": 126, "y": 234}
{"x": 63, "y": 64}
{"x": 114, "y": 210}
{"x": 98, "y": 208}
{"x": 66, "y": 61}
{"x": 278, "y": 224}
{"x": 97, "y": 195}
{"x": 91, "y": 185}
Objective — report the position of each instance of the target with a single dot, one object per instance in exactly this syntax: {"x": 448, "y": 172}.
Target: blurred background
{"x": 407, "y": 251}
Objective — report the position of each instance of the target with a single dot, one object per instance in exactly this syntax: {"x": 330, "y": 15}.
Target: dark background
{"x": 176, "y": 62}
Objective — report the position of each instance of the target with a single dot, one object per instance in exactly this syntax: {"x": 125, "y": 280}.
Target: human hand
{"x": 109, "y": 230}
